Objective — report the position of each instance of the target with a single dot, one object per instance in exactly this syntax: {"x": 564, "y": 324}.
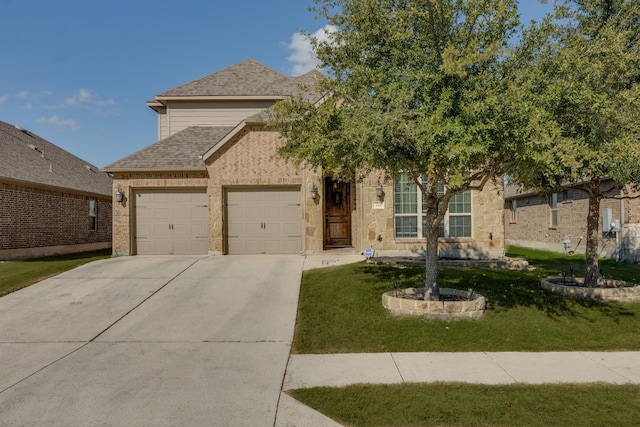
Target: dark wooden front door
{"x": 337, "y": 213}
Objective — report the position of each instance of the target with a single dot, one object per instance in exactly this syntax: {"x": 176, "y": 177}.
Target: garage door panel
{"x": 171, "y": 222}
{"x": 269, "y": 216}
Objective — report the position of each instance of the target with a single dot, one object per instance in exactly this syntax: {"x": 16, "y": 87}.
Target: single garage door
{"x": 263, "y": 221}
{"x": 169, "y": 223}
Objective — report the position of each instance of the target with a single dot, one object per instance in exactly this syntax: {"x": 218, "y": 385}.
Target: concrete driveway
{"x": 150, "y": 341}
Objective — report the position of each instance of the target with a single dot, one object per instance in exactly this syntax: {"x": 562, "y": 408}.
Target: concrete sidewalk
{"x": 339, "y": 370}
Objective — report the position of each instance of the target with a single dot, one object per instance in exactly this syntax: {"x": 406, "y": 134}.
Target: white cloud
{"x": 3, "y": 98}
{"x": 303, "y": 57}
{"x": 23, "y": 95}
{"x": 83, "y": 97}
{"x": 57, "y": 121}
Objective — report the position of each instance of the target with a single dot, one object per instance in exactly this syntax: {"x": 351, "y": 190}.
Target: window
{"x": 553, "y": 207}
{"x": 567, "y": 195}
{"x": 409, "y": 223}
{"x": 514, "y": 210}
{"x": 93, "y": 215}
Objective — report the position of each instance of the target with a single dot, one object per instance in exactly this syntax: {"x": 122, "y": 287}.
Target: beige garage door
{"x": 263, "y": 221}
{"x": 169, "y": 223}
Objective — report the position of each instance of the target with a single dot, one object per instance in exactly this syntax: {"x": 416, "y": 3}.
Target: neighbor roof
{"x": 181, "y": 151}
{"x": 248, "y": 78}
{"x": 26, "y": 158}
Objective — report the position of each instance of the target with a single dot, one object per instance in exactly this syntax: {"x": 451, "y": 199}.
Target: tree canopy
{"x": 580, "y": 69}
{"x": 414, "y": 86}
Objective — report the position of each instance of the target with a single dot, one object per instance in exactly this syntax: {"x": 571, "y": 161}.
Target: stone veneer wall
{"x": 249, "y": 160}
{"x": 487, "y": 224}
{"x": 130, "y": 182}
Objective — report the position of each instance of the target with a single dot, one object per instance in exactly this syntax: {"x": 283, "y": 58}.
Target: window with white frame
{"x": 410, "y": 220}
{"x": 93, "y": 215}
{"x": 514, "y": 210}
{"x": 553, "y": 208}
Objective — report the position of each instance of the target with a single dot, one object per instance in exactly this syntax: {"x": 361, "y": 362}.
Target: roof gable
{"x": 246, "y": 78}
{"x": 180, "y": 151}
{"x": 28, "y": 158}
{"x": 249, "y": 78}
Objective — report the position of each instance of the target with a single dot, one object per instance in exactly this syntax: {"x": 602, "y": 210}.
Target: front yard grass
{"x": 340, "y": 310}
{"x": 15, "y": 275}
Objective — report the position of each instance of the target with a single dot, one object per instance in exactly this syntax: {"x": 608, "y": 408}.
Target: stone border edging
{"x": 441, "y": 310}
{"x": 624, "y": 293}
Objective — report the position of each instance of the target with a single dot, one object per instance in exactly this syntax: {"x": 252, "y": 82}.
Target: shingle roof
{"x": 180, "y": 151}
{"x": 246, "y": 78}
{"x": 28, "y": 158}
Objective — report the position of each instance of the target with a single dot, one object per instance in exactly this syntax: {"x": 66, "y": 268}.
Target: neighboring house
{"x": 214, "y": 183}
{"x": 51, "y": 201}
{"x": 558, "y": 222}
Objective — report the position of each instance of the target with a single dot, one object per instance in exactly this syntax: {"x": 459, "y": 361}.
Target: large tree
{"x": 417, "y": 87}
{"x": 581, "y": 70}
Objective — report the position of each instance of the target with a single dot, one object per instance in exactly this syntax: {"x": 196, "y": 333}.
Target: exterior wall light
{"x": 379, "y": 191}
{"x": 314, "y": 192}
{"x": 119, "y": 195}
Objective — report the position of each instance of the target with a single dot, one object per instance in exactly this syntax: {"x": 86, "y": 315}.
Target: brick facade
{"x": 38, "y": 222}
{"x": 532, "y": 225}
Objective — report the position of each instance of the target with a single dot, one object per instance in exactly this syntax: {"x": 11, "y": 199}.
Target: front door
{"x": 337, "y": 210}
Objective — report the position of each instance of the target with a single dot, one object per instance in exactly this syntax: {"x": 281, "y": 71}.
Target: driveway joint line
{"x": 145, "y": 300}
{"x": 44, "y": 367}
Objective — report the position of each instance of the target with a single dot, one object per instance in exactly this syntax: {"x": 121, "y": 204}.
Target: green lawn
{"x": 340, "y": 311}
{"x": 477, "y": 405}
{"x": 16, "y": 275}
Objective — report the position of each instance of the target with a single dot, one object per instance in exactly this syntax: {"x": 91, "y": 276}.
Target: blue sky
{"x": 79, "y": 72}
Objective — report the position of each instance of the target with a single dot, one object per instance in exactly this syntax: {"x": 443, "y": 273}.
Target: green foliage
{"x": 582, "y": 70}
{"x": 413, "y": 86}
{"x": 477, "y": 405}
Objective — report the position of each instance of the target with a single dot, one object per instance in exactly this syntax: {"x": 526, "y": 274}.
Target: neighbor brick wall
{"x": 532, "y": 226}
{"x": 32, "y": 217}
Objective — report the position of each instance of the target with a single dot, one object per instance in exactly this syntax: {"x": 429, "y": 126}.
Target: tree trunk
{"x": 592, "y": 271}
{"x": 431, "y": 292}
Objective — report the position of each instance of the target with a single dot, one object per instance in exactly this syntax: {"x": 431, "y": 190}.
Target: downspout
{"x": 361, "y": 207}
{"x": 622, "y": 249}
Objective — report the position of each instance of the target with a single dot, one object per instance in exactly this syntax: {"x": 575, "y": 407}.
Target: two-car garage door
{"x": 258, "y": 221}
{"x": 263, "y": 221}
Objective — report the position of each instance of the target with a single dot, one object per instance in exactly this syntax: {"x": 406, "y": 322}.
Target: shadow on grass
{"x": 504, "y": 289}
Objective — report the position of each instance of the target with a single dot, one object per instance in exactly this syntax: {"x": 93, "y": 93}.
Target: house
{"x": 213, "y": 183}
{"x": 52, "y": 201}
{"x": 558, "y": 222}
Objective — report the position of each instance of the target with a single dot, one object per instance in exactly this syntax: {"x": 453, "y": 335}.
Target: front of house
{"x": 214, "y": 184}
